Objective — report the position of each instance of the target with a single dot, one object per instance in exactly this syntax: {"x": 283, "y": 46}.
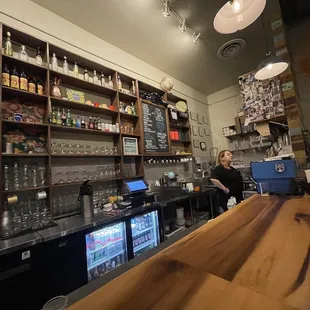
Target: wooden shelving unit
{"x": 111, "y": 97}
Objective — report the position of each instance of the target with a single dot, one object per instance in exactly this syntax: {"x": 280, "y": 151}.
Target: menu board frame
{"x": 167, "y": 127}
{"x": 135, "y": 141}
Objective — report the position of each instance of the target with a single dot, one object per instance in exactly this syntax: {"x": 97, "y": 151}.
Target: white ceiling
{"x": 139, "y": 28}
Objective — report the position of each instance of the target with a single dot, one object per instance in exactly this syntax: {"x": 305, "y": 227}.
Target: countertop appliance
{"x": 274, "y": 176}
{"x": 170, "y": 179}
{"x": 86, "y": 200}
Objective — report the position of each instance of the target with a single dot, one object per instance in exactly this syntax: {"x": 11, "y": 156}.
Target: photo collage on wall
{"x": 200, "y": 129}
{"x": 262, "y": 100}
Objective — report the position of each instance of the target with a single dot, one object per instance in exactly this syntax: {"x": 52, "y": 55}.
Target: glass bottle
{"x": 119, "y": 82}
{"x": 25, "y": 176}
{"x": 54, "y": 120}
{"x": 39, "y": 59}
{"x": 95, "y": 123}
{"x": 34, "y": 176}
{"x": 73, "y": 122}
{"x": 91, "y": 123}
{"x": 40, "y": 87}
{"x": 23, "y": 55}
{"x": 133, "y": 109}
{"x": 110, "y": 82}
{"x": 83, "y": 124}
{"x": 16, "y": 176}
{"x": 78, "y": 122}
{"x": 117, "y": 127}
{"x": 65, "y": 66}
{"x": 23, "y": 81}
{"x": 69, "y": 120}
{"x": 58, "y": 117}
{"x": 86, "y": 75}
{"x": 76, "y": 70}
{"x": 99, "y": 124}
{"x": 8, "y": 47}
{"x": 102, "y": 79}
{"x": 96, "y": 80}
{"x": 6, "y": 175}
{"x": 63, "y": 118}
{"x": 15, "y": 79}
{"x": 31, "y": 85}
{"x": 133, "y": 88}
{"x": 54, "y": 62}
{"x": 5, "y": 76}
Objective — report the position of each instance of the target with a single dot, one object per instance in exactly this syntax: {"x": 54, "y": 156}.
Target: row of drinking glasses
{"x": 65, "y": 203}
{"x": 25, "y": 216}
{"x": 82, "y": 149}
{"x": 100, "y": 173}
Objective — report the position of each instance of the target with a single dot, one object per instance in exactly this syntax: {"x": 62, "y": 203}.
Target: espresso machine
{"x": 170, "y": 179}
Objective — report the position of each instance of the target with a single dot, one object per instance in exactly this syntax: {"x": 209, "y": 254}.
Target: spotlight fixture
{"x": 196, "y": 37}
{"x": 238, "y": 14}
{"x": 183, "y": 25}
{"x": 166, "y": 9}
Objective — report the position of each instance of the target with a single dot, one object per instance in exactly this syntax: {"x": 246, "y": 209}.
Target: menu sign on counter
{"x": 155, "y": 129}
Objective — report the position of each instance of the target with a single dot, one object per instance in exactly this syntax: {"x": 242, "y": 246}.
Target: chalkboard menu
{"x": 155, "y": 129}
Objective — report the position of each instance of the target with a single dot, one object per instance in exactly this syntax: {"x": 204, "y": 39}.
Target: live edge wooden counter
{"x": 255, "y": 256}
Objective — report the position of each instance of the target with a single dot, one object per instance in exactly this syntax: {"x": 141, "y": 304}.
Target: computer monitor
{"x": 136, "y": 186}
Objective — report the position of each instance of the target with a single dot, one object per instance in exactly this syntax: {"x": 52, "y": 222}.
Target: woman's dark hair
{"x": 221, "y": 155}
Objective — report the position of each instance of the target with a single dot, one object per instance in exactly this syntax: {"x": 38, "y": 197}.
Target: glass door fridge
{"x": 106, "y": 249}
{"x": 145, "y": 232}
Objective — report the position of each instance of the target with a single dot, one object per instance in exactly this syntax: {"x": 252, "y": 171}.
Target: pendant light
{"x": 271, "y": 66}
{"x": 238, "y": 14}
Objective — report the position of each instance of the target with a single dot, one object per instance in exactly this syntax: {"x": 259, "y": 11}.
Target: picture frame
{"x": 196, "y": 143}
{"x": 205, "y": 120}
{"x": 195, "y": 130}
{"x": 130, "y": 146}
{"x": 193, "y": 116}
{"x": 201, "y": 131}
{"x": 203, "y": 146}
{"x": 199, "y": 119}
{"x": 206, "y": 130}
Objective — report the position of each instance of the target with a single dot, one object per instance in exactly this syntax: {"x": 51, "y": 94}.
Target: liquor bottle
{"x": 23, "y": 81}
{"x": 5, "y": 76}
{"x": 73, "y": 122}
{"x": 83, "y": 124}
{"x": 69, "y": 119}
{"x": 102, "y": 79}
{"x": 54, "y": 120}
{"x": 23, "y": 55}
{"x": 50, "y": 117}
{"x": 40, "y": 87}
{"x": 110, "y": 82}
{"x": 63, "y": 118}
{"x": 14, "y": 79}
{"x": 99, "y": 124}
{"x": 91, "y": 123}
{"x": 95, "y": 123}
{"x": 96, "y": 80}
{"x": 54, "y": 62}
{"x": 133, "y": 109}
{"x": 65, "y": 66}
{"x": 133, "y": 88}
{"x": 58, "y": 117}
{"x": 86, "y": 75}
{"x": 31, "y": 85}
{"x": 39, "y": 60}
{"x": 119, "y": 82}
{"x": 76, "y": 70}
{"x": 8, "y": 47}
{"x": 78, "y": 122}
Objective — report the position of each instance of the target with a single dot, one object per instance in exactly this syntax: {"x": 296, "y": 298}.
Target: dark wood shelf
{"x": 82, "y": 130}
{"x": 179, "y": 126}
{"x": 181, "y": 141}
{"x": 168, "y": 156}
{"x": 132, "y": 155}
{"x": 73, "y": 81}
{"x": 25, "y": 155}
{"x": 80, "y": 183}
{"x": 25, "y": 189}
{"x": 24, "y": 64}
{"x": 240, "y": 135}
{"x": 83, "y": 107}
{"x": 84, "y": 155}
{"x": 130, "y": 135}
{"x": 60, "y": 216}
{"x": 38, "y": 126}
{"x": 127, "y": 97}
{"x": 129, "y": 116}
{"x": 25, "y": 94}
{"x": 134, "y": 177}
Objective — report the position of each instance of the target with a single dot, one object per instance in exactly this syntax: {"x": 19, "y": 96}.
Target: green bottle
{"x": 58, "y": 117}
{"x": 69, "y": 120}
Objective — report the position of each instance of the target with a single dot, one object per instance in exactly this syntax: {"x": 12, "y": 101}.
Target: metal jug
{"x": 86, "y": 200}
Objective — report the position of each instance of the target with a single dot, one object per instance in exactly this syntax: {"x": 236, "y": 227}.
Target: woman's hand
{"x": 226, "y": 190}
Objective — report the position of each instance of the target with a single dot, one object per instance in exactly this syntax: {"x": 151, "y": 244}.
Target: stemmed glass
{"x": 60, "y": 177}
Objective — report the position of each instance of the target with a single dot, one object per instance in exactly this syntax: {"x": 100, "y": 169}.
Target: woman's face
{"x": 228, "y": 156}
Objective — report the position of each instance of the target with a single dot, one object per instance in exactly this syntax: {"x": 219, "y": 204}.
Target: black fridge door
{"x": 144, "y": 232}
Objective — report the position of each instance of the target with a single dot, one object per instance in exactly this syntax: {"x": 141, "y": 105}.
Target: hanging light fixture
{"x": 271, "y": 66}
{"x": 183, "y": 25}
{"x": 166, "y": 9}
{"x": 238, "y": 14}
{"x": 196, "y": 37}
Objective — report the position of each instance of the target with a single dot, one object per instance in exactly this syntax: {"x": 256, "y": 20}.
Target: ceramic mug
{"x": 41, "y": 195}
{"x": 18, "y": 117}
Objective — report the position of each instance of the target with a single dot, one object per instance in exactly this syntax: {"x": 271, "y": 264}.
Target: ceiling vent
{"x": 231, "y": 49}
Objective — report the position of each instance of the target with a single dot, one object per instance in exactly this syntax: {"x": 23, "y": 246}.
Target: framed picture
{"x": 201, "y": 132}
{"x": 206, "y": 130}
{"x": 199, "y": 119}
{"x": 193, "y": 116}
{"x": 203, "y": 146}
{"x": 130, "y": 146}
{"x": 196, "y": 143}
{"x": 205, "y": 120}
{"x": 195, "y": 130}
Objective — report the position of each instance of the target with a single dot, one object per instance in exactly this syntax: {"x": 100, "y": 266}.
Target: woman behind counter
{"x": 227, "y": 179}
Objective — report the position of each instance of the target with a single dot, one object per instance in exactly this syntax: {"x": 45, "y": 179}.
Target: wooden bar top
{"x": 255, "y": 256}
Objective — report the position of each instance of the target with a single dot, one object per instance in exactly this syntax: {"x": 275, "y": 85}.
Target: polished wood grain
{"x": 255, "y": 256}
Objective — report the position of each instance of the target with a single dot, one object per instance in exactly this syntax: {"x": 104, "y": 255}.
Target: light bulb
{"x": 183, "y": 25}
{"x": 166, "y": 9}
{"x": 237, "y": 6}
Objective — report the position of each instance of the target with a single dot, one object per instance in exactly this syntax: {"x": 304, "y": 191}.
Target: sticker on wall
{"x": 200, "y": 119}
{"x": 201, "y": 132}
{"x": 195, "y": 130}
{"x": 205, "y": 120}
{"x": 193, "y": 116}
{"x": 196, "y": 143}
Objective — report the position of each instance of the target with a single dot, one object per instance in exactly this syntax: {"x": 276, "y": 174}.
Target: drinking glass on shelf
{"x": 62, "y": 148}
{"x": 78, "y": 149}
{"x": 71, "y": 148}
{"x": 42, "y": 176}
{"x": 60, "y": 178}
{"x": 55, "y": 205}
{"x": 68, "y": 177}
{"x": 85, "y": 148}
{"x": 84, "y": 175}
{"x": 55, "y": 147}
{"x": 76, "y": 177}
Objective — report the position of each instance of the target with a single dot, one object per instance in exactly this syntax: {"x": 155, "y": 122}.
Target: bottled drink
{"x": 6, "y": 177}
{"x": 25, "y": 176}
{"x": 58, "y": 117}
{"x": 133, "y": 88}
{"x": 40, "y": 87}
{"x": 78, "y": 122}
{"x": 15, "y": 79}
{"x": 73, "y": 122}
{"x": 31, "y": 85}
{"x": 39, "y": 60}
{"x": 96, "y": 80}
{"x": 133, "y": 109}
{"x": 63, "y": 118}
{"x": 102, "y": 79}
{"x": 99, "y": 124}
{"x": 76, "y": 70}
{"x": 23, "y": 81}
{"x": 54, "y": 120}
{"x": 119, "y": 82}
{"x": 34, "y": 176}
{"x": 5, "y": 76}
{"x": 49, "y": 117}
{"x": 95, "y": 123}
{"x": 65, "y": 66}
{"x": 54, "y": 62}
{"x": 16, "y": 176}
{"x": 83, "y": 124}
{"x": 110, "y": 82}
{"x": 22, "y": 55}
{"x": 86, "y": 75}
{"x": 8, "y": 47}
{"x": 69, "y": 121}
